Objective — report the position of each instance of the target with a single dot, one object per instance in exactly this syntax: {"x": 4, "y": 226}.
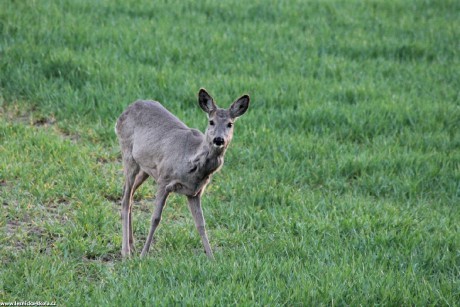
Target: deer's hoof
{"x": 125, "y": 253}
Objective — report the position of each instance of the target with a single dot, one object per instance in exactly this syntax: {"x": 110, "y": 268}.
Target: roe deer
{"x": 156, "y": 143}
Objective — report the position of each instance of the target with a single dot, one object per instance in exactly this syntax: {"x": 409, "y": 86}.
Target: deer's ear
{"x": 239, "y": 107}
{"x": 206, "y": 101}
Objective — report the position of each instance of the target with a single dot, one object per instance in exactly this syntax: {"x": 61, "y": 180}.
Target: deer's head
{"x": 219, "y": 132}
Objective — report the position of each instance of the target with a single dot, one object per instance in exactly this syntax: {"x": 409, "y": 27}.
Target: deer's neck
{"x": 213, "y": 159}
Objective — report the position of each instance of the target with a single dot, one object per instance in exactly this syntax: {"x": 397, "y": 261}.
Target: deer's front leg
{"x": 195, "y": 207}
{"x": 160, "y": 202}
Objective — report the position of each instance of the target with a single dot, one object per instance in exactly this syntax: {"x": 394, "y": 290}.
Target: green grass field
{"x": 341, "y": 186}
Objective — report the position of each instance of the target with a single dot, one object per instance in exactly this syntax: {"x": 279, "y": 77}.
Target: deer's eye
{"x": 193, "y": 169}
{"x": 211, "y": 122}
{"x": 230, "y": 125}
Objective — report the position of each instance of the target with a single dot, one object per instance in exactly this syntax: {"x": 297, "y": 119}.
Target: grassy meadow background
{"x": 341, "y": 186}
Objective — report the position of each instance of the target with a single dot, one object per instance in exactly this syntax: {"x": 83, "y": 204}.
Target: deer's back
{"x": 147, "y": 115}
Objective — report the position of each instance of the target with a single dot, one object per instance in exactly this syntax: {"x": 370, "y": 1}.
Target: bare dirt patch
{"x": 44, "y": 121}
{"x": 29, "y": 230}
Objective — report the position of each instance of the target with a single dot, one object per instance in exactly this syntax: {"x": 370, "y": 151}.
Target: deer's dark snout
{"x": 218, "y": 141}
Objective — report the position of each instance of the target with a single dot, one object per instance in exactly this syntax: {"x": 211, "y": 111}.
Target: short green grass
{"x": 341, "y": 187}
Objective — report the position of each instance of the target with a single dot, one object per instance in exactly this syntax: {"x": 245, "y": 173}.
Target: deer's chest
{"x": 189, "y": 188}
{"x": 191, "y": 184}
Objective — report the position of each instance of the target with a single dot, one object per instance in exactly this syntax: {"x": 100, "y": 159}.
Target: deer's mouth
{"x": 218, "y": 146}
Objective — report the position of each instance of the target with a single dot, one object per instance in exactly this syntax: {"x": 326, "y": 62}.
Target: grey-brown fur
{"x": 156, "y": 143}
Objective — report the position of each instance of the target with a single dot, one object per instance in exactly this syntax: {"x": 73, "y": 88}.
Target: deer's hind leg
{"x": 138, "y": 181}
{"x": 131, "y": 170}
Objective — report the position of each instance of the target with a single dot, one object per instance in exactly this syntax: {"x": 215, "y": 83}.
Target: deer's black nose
{"x": 218, "y": 141}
